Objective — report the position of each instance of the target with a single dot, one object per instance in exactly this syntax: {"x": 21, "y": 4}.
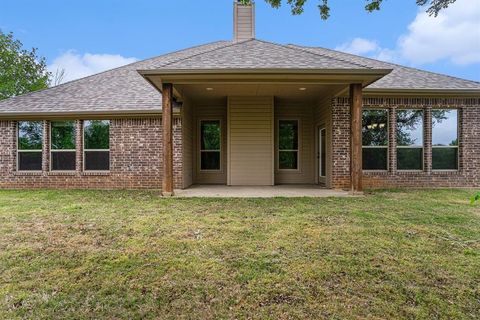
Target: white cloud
{"x": 78, "y": 66}
{"x": 359, "y": 46}
{"x": 454, "y": 35}
{"x": 369, "y": 48}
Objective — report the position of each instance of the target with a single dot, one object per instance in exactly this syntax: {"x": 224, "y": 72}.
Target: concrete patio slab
{"x": 288, "y": 191}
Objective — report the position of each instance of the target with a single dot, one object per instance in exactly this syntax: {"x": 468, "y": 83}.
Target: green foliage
{"x": 297, "y": 6}
{"x": 475, "y": 198}
{"x": 21, "y": 71}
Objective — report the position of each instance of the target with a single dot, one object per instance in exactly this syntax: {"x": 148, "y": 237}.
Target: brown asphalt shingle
{"x": 124, "y": 90}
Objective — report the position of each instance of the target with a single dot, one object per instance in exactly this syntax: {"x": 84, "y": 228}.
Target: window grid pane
{"x": 288, "y": 141}
{"x": 96, "y": 145}
{"x": 410, "y": 128}
{"x": 30, "y": 161}
{"x": 96, "y": 134}
{"x": 30, "y": 135}
{"x": 210, "y": 135}
{"x": 210, "y": 145}
{"x": 410, "y": 158}
{"x": 63, "y": 161}
{"x": 63, "y": 135}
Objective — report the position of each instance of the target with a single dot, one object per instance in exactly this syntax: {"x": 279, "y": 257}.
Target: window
{"x": 445, "y": 139}
{"x": 62, "y": 146}
{"x": 30, "y": 145}
{"x": 375, "y": 139}
{"x": 323, "y": 152}
{"x": 410, "y": 139}
{"x": 210, "y": 145}
{"x": 96, "y": 145}
{"x": 288, "y": 145}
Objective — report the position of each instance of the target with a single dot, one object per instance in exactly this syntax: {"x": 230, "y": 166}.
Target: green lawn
{"x": 130, "y": 255}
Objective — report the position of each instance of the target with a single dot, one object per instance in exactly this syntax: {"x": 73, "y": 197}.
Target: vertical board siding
{"x": 187, "y": 145}
{"x": 251, "y": 141}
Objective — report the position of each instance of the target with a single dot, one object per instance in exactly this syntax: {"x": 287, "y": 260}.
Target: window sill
{"x": 375, "y": 172}
{"x": 95, "y": 173}
{"x": 445, "y": 172}
{"x": 62, "y": 173}
{"x": 28, "y": 173}
{"x": 407, "y": 172}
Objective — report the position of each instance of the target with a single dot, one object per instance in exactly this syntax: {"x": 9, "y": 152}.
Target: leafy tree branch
{"x": 297, "y": 6}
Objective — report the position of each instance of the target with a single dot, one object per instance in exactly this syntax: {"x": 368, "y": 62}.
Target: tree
{"x": 435, "y": 6}
{"x": 21, "y": 71}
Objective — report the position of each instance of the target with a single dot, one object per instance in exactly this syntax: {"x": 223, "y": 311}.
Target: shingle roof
{"x": 120, "y": 89}
{"x": 125, "y": 90}
{"x": 258, "y": 54}
{"x": 401, "y": 77}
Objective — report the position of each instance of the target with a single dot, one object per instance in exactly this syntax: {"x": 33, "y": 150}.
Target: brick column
{"x": 427, "y": 140}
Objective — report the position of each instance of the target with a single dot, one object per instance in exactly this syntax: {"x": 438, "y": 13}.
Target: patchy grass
{"x": 127, "y": 255}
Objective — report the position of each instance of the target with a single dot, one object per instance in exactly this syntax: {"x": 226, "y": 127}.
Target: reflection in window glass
{"x": 288, "y": 144}
{"x": 30, "y": 145}
{"x": 410, "y": 139}
{"x": 96, "y": 134}
{"x": 444, "y": 139}
{"x": 63, "y": 155}
{"x": 210, "y": 145}
{"x": 375, "y": 139}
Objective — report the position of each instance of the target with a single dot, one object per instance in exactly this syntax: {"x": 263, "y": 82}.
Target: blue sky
{"x": 89, "y": 36}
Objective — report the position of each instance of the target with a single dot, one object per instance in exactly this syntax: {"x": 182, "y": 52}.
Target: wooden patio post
{"x": 356, "y": 101}
{"x": 167, "y": 129}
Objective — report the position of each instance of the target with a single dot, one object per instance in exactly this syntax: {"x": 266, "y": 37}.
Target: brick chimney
{"x": 243, "y": 21}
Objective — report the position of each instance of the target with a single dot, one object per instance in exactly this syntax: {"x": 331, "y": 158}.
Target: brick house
{"x": 245, "y": 112}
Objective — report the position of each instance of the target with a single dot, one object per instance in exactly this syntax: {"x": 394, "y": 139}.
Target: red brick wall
{"x": 468, "y": 174}
{"x": 135, "y": 158}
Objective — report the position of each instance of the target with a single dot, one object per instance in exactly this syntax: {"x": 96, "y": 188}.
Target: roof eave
{"x": 90, "y": 115}
{"x": 475, "y": 93}
{"x": 264, "y": 76}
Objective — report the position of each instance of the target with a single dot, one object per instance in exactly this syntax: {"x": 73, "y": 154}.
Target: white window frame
{"x": 28, "y": 151}
{"x": 422, "y": 147}
{"x": 95, "y": 150}
{"x": 63, "y": 150}
{"x": 299, "y": 139}
{"x": 200, "y": 146}
{"x": 448, "y": 147}
{"x": 380, "y": 147}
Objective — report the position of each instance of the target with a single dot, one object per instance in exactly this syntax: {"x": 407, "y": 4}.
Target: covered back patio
{"x": 253, "y": 129}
